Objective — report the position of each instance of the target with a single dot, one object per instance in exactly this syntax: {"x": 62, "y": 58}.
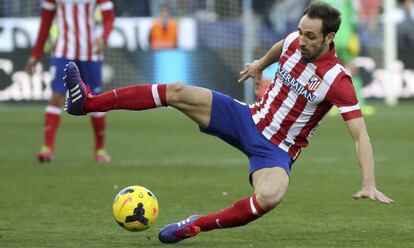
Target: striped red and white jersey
{"x": 300, "y": 95}
{"x": 76, "y": 27}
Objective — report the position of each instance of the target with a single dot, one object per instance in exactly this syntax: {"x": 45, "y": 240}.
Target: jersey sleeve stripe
{"x": 346, "y": 109}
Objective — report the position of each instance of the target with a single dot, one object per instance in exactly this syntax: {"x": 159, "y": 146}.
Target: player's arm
{"x": 358, "y": 131}
{"x": 342, "y": 95}
{"x": 108, "y": 17}
{"x": 255, "y": 69}
{"x": 46, "y": 18}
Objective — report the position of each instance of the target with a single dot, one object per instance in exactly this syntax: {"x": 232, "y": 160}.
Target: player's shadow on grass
{"x": 197, "y": 243}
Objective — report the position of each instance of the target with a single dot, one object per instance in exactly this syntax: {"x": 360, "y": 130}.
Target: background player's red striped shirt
{"x": 76, "y": 28}
{"x": 300, "y": 96}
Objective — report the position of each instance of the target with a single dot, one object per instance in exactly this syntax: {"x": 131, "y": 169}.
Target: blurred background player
{"x": 164, "y": 30}
{"x": 76, "y": 41}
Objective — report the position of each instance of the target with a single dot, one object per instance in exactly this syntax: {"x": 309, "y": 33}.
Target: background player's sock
{"x": 50, "y": 126}
{"x": 98, "y": 125}
{"x": 136, "y": 97}
{"x": 240, "y": 213}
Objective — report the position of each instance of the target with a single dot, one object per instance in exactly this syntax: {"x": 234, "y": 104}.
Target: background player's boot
{"x": 101, "y": 156}
{"x": 45, "y": 155}
{"x": 77, "y": 92}
{"x": 175, "y": 232}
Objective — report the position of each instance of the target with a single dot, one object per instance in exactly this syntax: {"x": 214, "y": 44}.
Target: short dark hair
{"x": 331, "y": 17}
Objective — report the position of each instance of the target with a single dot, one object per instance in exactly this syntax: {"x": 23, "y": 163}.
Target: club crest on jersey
{"x": 313, "y": 83}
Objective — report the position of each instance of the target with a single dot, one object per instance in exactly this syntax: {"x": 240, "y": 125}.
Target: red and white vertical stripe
{"x": 287, "y": 118}
{"x": 76, "y": 27}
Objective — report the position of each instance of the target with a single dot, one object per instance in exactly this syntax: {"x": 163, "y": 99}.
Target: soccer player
{"x": 76, "y": 41}
{"x": 271, "y": 132}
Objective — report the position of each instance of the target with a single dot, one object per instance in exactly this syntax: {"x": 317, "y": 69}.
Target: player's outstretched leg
{"x": 175, "y": 232}
{"x": 80, "y": 100}
{"x": 240, "y": 213}
{"x": 270, "y": 187}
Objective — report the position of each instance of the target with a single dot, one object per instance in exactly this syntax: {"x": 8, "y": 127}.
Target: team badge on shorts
{"x": 313, "y": 83}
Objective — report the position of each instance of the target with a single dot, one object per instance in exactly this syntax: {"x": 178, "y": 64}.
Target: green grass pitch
{"x": 69, "y": 203}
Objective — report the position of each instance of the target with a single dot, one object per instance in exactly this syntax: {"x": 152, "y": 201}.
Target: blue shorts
{"x": 90, "y": 72}
{"x": 231, "y": 121}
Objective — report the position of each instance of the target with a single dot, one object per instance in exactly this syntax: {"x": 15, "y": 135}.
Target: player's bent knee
{"x": 173, "y": 92}
{"x": 269, "y": 200}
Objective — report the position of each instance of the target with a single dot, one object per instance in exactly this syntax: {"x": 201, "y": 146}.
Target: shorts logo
{"x": 313, "y": 83}
{"x": 288, "y": 144}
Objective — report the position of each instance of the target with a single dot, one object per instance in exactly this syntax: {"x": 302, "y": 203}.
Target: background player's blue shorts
{"x": 90, "y": 72}
{"x": 232, "y": 122}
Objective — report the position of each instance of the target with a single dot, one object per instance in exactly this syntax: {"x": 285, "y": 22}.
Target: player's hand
{"x": 254, "y": 71}
{"x": 99, "y": 44}
{"x": 30, "y": 65}
{"x": 373, "y": 194}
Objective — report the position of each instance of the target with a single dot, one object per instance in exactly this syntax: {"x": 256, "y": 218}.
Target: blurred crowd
{"x": 275, "y": 18}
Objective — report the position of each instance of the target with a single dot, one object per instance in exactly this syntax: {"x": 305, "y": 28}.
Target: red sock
{"x": 240, "y": 213}
{"x": 136, "y": 97}
{"x": 51, "y": 124}
{"x": 98, "y": 125}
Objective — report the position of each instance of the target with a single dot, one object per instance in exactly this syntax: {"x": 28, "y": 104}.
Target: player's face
{"x": 312, "y": 43}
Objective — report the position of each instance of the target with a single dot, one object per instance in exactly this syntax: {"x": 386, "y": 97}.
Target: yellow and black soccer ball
{"x": 135, "y": 208}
